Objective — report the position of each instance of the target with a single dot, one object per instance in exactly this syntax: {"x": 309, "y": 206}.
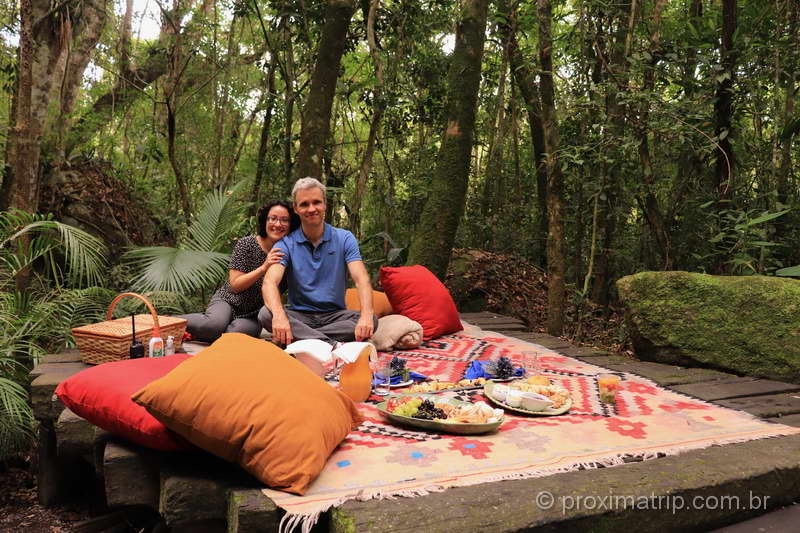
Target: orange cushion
{"x": 380, "y": 303}
{"x": 248, "y": 401}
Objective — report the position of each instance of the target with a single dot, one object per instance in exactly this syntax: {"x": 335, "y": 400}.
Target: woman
{"x": 234, "y": 307}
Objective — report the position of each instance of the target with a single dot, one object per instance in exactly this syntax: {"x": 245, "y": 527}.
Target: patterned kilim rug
{"x": 379, "y": 460}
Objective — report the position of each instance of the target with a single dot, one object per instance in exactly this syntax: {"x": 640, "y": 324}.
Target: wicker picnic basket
{"x": 110, "y": 340}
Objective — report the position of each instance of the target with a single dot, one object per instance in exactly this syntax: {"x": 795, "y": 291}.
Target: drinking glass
{"x": 608, "y": 385}
{"x": 382, "y": 368}
{"x": 530, "y": 362}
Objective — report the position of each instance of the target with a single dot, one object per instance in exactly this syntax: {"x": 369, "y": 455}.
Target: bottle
{"x": 169, "y": 349}
{"x": 156, "y": 347}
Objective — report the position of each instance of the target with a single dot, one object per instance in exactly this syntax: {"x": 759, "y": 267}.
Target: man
{"x": 316, "y": 260}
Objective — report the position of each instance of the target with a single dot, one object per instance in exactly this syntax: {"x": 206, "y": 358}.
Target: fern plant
{"x": 199, "y": 260}
{"x": 37, "y": 321}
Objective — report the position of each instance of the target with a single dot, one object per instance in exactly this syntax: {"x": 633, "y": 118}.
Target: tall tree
{"x": 436, "y": 233}
{"x": 529, "y": 90}
{"x": 723, "y": 103}
{"x": 55, "y": 44}
{"x": 316, "y": 121}
{"x": 556, "y": 259}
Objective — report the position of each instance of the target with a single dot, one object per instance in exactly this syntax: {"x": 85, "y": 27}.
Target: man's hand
{"x": 281, "y": 331}
{"x": 363, "y": 327}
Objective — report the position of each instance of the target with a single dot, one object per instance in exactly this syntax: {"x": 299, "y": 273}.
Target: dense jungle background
{"x": 547, "y": 147}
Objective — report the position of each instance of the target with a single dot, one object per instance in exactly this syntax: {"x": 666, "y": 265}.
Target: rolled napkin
{"x": 398, "y": 332}
{"x": 477, "y": 369}
{"x": 378, "y": 379}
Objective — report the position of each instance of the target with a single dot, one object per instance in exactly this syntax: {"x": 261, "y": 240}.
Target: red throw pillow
{"x": 102, "y": 395}
{"x": 415, "y": 292}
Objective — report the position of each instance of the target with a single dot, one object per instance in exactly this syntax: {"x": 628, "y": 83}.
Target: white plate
{"x": 401, "y": 384}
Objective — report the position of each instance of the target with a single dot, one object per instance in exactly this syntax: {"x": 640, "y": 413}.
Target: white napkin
{"x": 319, "y": 350}
{"x": 324, "y": 352}
{"x": 349, "y": 351}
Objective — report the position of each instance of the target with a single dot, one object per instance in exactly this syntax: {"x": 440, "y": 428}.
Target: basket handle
{"x": 113, "y": 304}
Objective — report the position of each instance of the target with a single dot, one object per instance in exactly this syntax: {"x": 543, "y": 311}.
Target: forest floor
{"x": 20, "y": 510}
{"x": 510, "y": 287}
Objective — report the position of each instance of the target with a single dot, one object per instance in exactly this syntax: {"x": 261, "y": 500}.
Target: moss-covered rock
{"x": 749, "y": 325}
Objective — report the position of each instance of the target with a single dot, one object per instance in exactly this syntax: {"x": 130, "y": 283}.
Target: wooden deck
{"x": 218, "y": 498}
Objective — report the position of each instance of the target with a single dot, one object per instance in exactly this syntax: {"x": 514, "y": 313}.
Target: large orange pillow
{"x": 380, "y": 303}
{"x": 248, "y": 401}
{"x": 415, "y": 292}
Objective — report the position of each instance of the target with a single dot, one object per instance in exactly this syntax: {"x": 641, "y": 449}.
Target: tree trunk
{"x": 723, "y": 105}
{"x": 263, "y": 143}
{"x": 24, "y": 140}
{"x": 526, "y": 81}
{"x": 490, "y": 172}
{"x": 315, "y": 127}
{"x": 790, "y": 69}
{"x": 616, "y": 73}
{"x": 379, "y": 107}
{"x": 89, "y": 22}
{"x": 652, "y": 209}
{"x": 435, "y": 235}
{"x": 556, "y": 261}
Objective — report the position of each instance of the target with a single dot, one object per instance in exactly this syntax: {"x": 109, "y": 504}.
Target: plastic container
{"x": 156, "y": 347}
{"x": 169, "y": 348}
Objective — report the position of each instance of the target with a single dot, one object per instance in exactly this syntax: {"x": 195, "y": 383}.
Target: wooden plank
{"x": 735, "y": 388}
{"x": 484, "y": 315}
{"x": 667, "y": 375}
{"x": 766, "y": 406}
{"x": 788, "y": 420}
{"x": 583, "y": 351}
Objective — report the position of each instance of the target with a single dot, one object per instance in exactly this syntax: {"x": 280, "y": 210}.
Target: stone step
{"x": 249, "y": 511}
{"x": 196, "y": 489}
{"x": 130, "y": 474}
{"x": 716, "y": 486}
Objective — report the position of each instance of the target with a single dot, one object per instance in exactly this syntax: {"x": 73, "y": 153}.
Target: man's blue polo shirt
{"x": 317, "y": 277}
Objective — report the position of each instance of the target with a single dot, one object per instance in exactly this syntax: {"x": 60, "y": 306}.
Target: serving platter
{"x": 487, "y": 391}
{"x": 443, "y": 427}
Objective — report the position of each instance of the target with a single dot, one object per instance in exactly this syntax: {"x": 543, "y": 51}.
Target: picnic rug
{"x": 379, "y": 460}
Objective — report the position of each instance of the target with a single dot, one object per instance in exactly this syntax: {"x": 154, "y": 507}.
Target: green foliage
{"x": 38, "y": 320}
{"x": 743, "y": 240}
{"x": 29, "y": 240}
{"x": 198, "y": 261}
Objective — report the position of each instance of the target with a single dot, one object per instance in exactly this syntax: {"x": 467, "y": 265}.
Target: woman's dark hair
{"x": 263, "y": 212}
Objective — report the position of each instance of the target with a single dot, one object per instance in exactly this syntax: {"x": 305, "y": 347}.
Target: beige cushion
{"x": 396, "y": 332}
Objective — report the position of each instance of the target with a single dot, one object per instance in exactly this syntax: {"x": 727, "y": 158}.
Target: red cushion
{"x": 102, "y": 395}
{"x": 415, "y": 292}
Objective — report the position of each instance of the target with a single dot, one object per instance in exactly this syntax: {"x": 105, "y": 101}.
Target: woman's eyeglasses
{"x": 278, "y": 220}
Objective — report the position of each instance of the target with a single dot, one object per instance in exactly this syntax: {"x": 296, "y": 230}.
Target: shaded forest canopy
{"x": 591, "y": 138}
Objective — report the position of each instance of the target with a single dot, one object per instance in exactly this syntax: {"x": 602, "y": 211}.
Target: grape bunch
{"x": 398, "y": 366}
{"x": 427, "y": 411}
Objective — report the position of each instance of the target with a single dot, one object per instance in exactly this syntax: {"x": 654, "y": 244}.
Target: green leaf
{"x": 793, "y": 271}
{"x": 763, "y": 218}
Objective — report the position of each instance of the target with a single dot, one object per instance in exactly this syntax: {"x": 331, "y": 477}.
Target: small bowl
{"x": 514, "y": 398}
{"x": 500, "y": 392}
{"x": 535, "y": 402}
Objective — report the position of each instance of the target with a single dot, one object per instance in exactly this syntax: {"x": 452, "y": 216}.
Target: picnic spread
{"x": 463, "y": 407}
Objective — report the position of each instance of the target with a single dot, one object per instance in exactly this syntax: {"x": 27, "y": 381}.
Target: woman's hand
{"x": 274, "y": 256}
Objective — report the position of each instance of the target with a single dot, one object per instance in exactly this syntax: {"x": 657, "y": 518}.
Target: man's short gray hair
{"x": 308, "y": 183}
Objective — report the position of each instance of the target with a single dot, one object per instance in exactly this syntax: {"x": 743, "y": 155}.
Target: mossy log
{"x": 748, "y": 325}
